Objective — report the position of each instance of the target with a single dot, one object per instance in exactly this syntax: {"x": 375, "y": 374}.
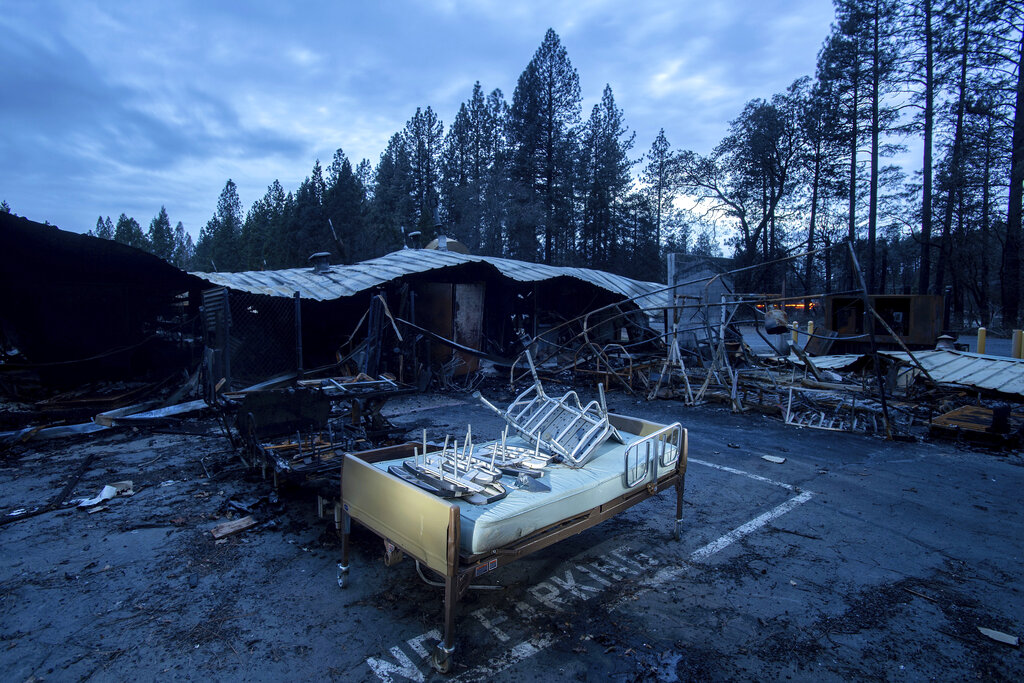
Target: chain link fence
{"x": 250, "y": 337}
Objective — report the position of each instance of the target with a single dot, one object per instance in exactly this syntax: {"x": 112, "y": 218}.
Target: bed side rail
{"x": 562, "y": 426}
{"x": 647, "y": 459}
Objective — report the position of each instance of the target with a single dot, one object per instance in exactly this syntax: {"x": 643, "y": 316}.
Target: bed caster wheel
{"x": 342, "y": 576}
{"x": 441, "y": 659}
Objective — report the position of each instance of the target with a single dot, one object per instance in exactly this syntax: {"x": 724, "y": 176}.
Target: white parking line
{"x": 750, "y": 527}
{"x": 405, "y": 669}
{"x": 523, "y": 650}
{"x": 749, "y": 475}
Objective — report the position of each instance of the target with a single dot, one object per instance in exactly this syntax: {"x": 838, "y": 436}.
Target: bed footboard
{"x": 415, "y": 522}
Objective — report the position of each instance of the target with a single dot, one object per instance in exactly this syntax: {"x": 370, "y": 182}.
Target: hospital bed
{"x": 462, "y": 541}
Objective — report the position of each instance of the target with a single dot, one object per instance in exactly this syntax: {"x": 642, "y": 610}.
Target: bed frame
{"x": 416, "y": 523}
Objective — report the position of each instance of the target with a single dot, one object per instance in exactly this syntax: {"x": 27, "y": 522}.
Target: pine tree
{"x": 605, "y": 182}
{"x": 345, "y": 207}
{"x": 161, "y": 239}
{"x": 219, "y": 246}
{"x": 639, "y": 253}
{"x": 424, "y": 135}
{"x": 461, "y": 210}
{"x": 128, "y": 231}
{"x": 263, "y": 240}
{"x": 364, "y": 173}
{"x": 659, "y": 179}
{"x": 392, "y": 208}
{"x": 1006, "y": 22}
{"x": 706, "y": 245}
{"x": 184, "y": 251}
{"x": 986, "y": 148}
{"x": 104, "y": 228}
{"x": 473, "y": 172}
{"x": 820, "y": 157}
{"x": 307, "y": 229}
{"x": 494, "y": 175}
{"x": 840, "y": 71}
{"x": 920, "y": 33}
{"x": 542, "y": 128}
{"x": 870, "y": 57}
{"x": 959, "y": 46}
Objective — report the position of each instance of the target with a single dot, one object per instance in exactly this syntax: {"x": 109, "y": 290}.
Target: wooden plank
{"x": 233, "y": 527}
{"x": 974, "y": 418}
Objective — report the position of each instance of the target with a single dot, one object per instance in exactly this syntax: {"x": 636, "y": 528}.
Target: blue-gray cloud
{"x": 113, "y": 108}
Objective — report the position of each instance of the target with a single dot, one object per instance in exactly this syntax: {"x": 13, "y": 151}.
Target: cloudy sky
{"x": 113, "y": 107}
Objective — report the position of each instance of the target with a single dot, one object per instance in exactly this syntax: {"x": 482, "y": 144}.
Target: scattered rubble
{"x": 271, "y": 390}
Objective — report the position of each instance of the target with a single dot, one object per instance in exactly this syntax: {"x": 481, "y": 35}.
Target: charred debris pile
{"x": 296, "y": 365}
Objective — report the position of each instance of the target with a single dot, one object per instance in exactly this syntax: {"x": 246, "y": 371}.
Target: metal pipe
{"x": 496, "y": 409}
{"x": 298, "y": 335}
{"x": 874, "y": 344}
{"x": 439, "y": 584}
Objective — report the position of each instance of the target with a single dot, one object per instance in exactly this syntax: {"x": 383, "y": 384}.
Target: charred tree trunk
{"x": 924, "y": 273}
{"x": 852, "y": 228}
{"x": 875, "y": 125}
{"x": 956, "y": 164}
{"x": 809, "y": 267}
{"x": 983, "y": 294}
{"x": 1011, "y": 249}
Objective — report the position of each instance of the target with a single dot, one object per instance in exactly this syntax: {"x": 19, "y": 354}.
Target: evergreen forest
{"x": 806, "y": 170}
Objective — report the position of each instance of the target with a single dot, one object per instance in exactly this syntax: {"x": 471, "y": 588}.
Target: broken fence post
{"x": 298, "y": 336}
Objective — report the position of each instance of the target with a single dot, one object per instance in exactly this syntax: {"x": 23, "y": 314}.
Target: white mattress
{"x": 520, "y": 513}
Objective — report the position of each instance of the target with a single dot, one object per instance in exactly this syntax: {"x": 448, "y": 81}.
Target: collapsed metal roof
{"x": 981, "y": 371}
{"x": 337, "y": 282}
{"x": 995, "y": 373}
{"x": 835, "y": 362}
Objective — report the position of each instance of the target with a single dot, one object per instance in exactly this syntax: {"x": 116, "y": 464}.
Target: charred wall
{"x": 79, "y": 308}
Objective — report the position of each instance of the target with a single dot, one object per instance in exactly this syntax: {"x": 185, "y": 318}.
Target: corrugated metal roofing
{"x": 837, "y": 362}
{"x": 343, "y": 281}
{"x": 981, "y": 371}
{"x": 995, "y": 373}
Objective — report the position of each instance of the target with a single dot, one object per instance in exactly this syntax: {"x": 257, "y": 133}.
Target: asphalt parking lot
{"x": 855, "y": 558}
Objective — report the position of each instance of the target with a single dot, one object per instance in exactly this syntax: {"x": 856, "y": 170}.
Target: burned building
{"x": 79, "y": 308}
{"x": 405, "y": 312}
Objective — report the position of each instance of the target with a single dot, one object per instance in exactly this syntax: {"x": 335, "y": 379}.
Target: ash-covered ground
{"x": 856, "y": 558}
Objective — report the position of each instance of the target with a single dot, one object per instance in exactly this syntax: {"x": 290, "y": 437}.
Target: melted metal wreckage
{"x": 304, "y": 430}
